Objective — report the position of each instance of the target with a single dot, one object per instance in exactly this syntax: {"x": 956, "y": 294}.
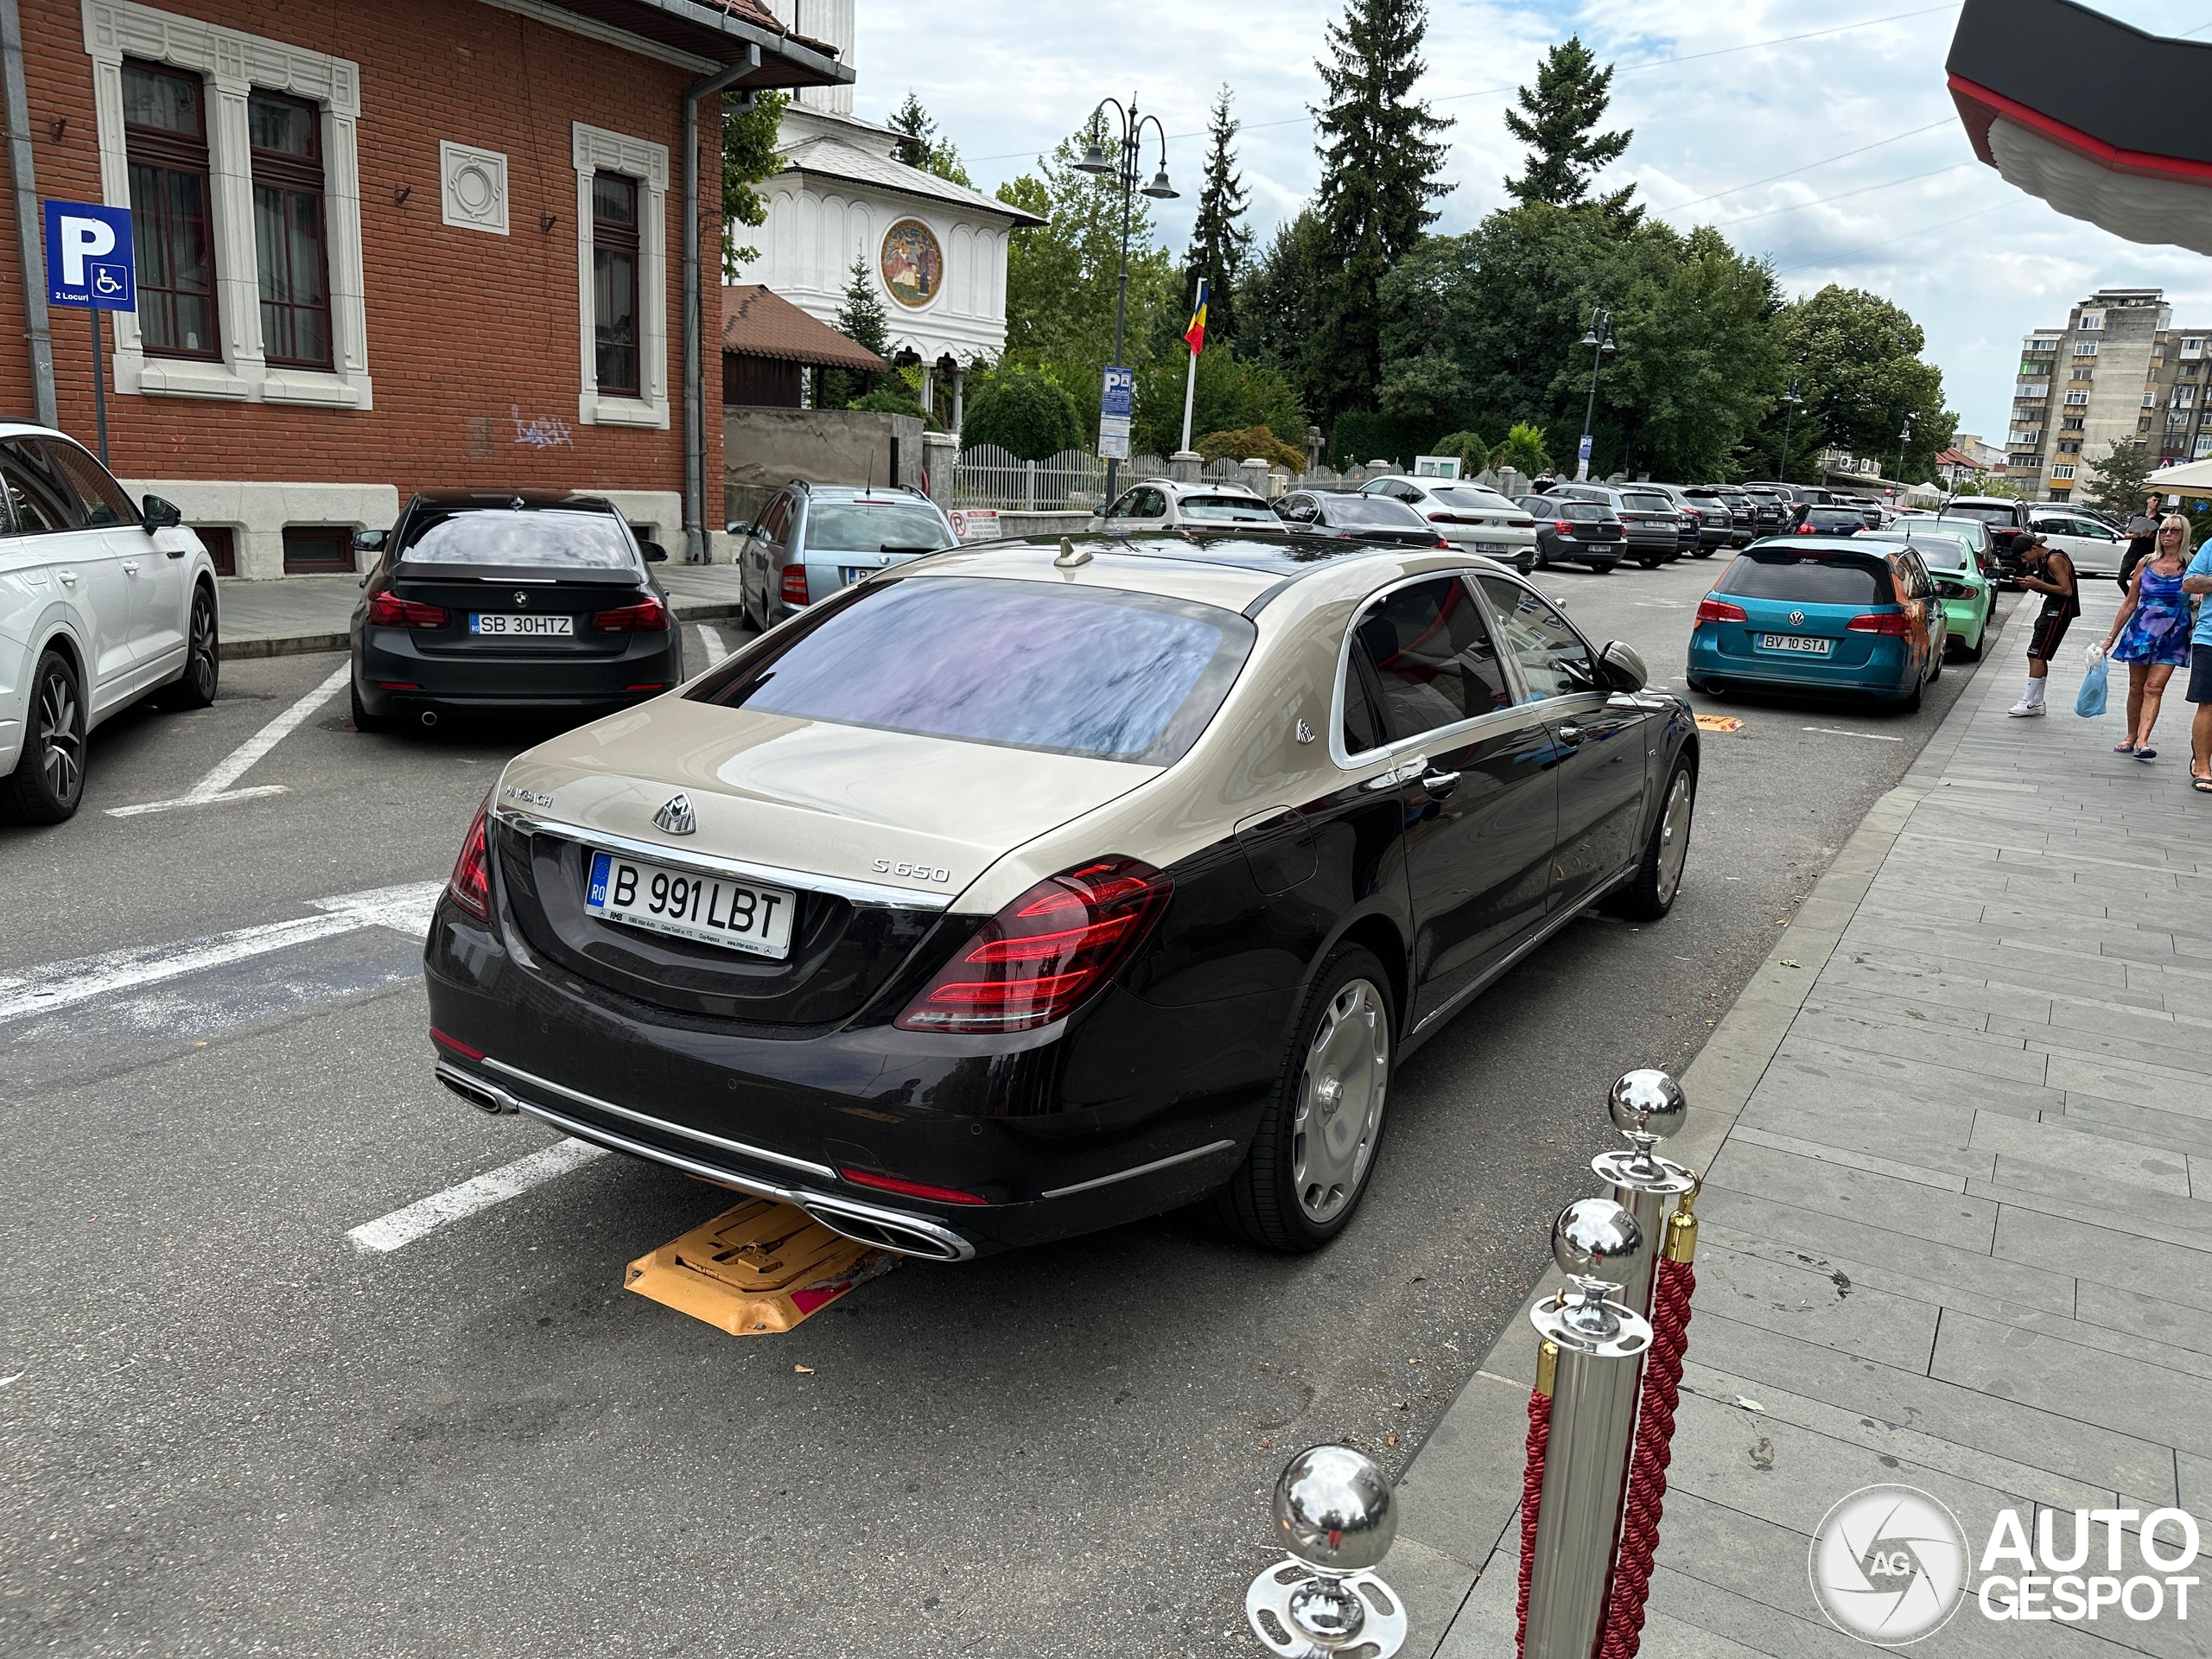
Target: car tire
{"x": 1311, "y": 1160}
{"x": 48, "y": 780}
{"x": 1973, "y": 653}
{"x": 1526, "y": 564}
{"x": 1705, "y": 553}
{"x": 1659, "y": 872}
{"x": 1935, "y": 672}
{"x": 1543, "y": 559}
{"x": 366, "y": 721}
{"x": 203, "y": 658}
{"x": 1700, "y": 687}
{"x": 1649, "y": 561}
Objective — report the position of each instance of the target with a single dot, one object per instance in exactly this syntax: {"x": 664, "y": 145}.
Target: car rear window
{"x": 1807, "y": 578}
{"x": 552, "y": 538}
{"x": 1989, "y": 515}
{"x": 1647, "y": 503}
{"x": 1226, "y": 510}
{"x": 874, "y": 527}
{"x": 1377, "y": 510}
{"x": 1072, "y": 671}
{"x": 1946, "y": 553}
{"x": 1468, "y": 495}
{"x": 1580, "y": 512}
{"x": 1835, "y": 518}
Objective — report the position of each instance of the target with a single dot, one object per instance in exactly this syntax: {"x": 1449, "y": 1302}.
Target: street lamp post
{"x": 1789, "y": 402}
{"x": 1599, "y": 340}
{"x": 1124, "y": 165}
{"x": 1904, "y": 442}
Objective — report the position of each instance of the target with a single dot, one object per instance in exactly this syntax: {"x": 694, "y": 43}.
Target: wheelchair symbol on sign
{"x": 104, "y": 281}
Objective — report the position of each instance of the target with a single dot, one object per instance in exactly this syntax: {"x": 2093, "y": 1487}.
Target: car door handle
{"x": 1571, "y": 735}
{"x": 1439, "y": 784}
{"x": 130, "y": 567}
{"x": 1404, "y": 772}
{"x": 69, "y": 578}
{"x": 173, "y": 552}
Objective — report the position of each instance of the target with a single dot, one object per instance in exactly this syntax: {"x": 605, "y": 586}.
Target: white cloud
{"x": 1006, "y": 80}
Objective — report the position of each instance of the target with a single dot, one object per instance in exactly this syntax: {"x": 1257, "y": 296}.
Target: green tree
{"x": 860, "y": 320}
{"x": 1523, "y": 451}
{"x": 749, "y": 158}
{"x": 1857, "y": 359}
{"x": 1557, "y": 120}
{"x": 1251, "y": 442}
{"x": 1379, "y": 165}
{"x": 1230, "y": 396}
{"x": 919, "y": 146}
{"x": 1474, "y": 452}
{"x": 2115, "y": 483}
{"x": 1281, "y": 301}
{"x": 1023, "y": 413}
{"x": 1220, "y": 241}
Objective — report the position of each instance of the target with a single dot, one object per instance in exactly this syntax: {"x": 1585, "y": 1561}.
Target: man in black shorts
{"x": 2047, "y": 571}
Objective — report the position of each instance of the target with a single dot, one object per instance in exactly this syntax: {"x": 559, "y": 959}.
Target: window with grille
{"x": 165, "y": 136}
{"x": 614, "y": 280}
{"x": 290, "y": 236}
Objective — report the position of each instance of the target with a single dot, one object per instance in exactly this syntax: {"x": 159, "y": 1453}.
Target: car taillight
{"x": 470, "y": 884}
{"x": 1043, "y": 954}
{"x": 1880, "y": 622}
{"x": 1719, "y": 610}
{"x": 1520, "y": 524}
{"x": 650, "y": 616}
{"x": 1444, "y": 542}
{"x": 793, "y": 586}
{"x": 388, "y": 610}
{"x": 908, "y": 1189}
{"x": 1563, "y": 526}
{"x": 1807, "y": 529}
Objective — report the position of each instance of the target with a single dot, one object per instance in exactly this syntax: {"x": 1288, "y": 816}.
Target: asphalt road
{"x": 227, "y": 1431}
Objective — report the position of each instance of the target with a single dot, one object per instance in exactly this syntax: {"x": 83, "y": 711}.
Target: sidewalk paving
{"x": 1951, "y": 1236}
{"x": 308, "y": 613}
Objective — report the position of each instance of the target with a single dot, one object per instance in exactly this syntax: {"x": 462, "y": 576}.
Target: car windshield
{"x": 551, "y": 537}
{"x": 1226, "y": 510}
{"x": 1112, "y": 674}
{"x": 874, "y": 527}
{"x": 1377, "y": 510}
{"x": 1806, "y": 578}
{"x": 1469, "y": 495}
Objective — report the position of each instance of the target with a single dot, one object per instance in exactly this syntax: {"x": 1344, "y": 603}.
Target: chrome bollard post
{"x": 1648, "y": 1107}
{"x": 1601, "y": 1345}
{"x": 1336, "y": 1514}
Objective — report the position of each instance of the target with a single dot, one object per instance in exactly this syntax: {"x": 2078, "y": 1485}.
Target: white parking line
{"x": 1872, "y": 737}
{"x": 715, "y": 649}
{"x": 64, "y": 984}
{"x": 494, "y": 1187}
{"x": 216, "y": 785}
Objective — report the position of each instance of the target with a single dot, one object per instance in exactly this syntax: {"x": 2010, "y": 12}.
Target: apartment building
{"x": 2118, "y": 370}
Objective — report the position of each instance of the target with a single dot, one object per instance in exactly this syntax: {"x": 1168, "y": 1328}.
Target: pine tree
{"x": 1565, "y": 105}
{"x": 915, "y": 129}
{"x": 1220, "y": 242}
{"x": 1379, "y": 162}
{"x": 860, "y": 320}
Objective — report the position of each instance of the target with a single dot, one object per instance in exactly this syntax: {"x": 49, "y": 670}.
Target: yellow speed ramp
{"x": 760, "y": 1269}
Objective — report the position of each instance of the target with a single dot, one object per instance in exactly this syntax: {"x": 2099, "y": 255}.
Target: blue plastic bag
{"x": 2090, "y": 701}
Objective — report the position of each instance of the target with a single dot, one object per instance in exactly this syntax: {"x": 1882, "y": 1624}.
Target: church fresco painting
{"x": 913, "y": 262}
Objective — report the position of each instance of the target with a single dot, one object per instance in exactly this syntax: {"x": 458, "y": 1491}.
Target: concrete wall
{"x": 765, "y": 449}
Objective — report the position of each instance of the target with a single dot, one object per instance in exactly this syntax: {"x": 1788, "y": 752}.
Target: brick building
{"x": 390, "y": 245}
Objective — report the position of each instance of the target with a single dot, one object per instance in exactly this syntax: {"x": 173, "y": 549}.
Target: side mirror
{"x": 160, "y": 514}
{"x": 654, "y": 552}
{"x": 368, "y": 541}
{"x": 1622, "y": 667}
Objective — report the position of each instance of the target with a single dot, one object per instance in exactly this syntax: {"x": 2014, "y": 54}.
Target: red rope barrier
{"x": 1532, "y": 1483}
{"x": 1655, "y": 1431}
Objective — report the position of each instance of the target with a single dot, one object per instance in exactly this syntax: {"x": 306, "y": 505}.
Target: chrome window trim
{"x": 858, "y": 892}
{"x": 1141, "y": 1169}
{"x": 804, "y": 1165}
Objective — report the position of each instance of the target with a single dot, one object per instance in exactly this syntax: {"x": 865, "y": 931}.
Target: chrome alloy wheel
{"x": 1674, "y": 836}
{"x": 61, "y": 743}
{"x": 1339, "y": 1114}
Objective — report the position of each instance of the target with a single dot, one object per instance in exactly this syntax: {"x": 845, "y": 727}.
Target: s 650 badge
{"x": 918, "y": 872}
{"x": 525, "y": 795}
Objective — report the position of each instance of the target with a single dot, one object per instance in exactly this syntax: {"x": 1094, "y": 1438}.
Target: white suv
{"x": 1473, "y": 518}
{"x": 100, "y": 602}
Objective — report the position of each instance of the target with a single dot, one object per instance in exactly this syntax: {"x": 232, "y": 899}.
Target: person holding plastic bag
{"x": 2151, "y": 633}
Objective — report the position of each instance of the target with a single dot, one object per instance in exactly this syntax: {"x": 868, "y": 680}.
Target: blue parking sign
{"x": 88, "y": 257}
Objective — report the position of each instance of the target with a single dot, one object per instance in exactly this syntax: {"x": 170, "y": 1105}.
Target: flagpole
{"x": 1195, "y": 338}
{"x": 1190, "y": 392}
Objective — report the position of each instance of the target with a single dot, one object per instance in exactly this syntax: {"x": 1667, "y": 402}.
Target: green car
{"x": 1952, "y": 560}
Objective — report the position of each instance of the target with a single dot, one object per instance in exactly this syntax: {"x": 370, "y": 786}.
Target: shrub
{"x": 883, "y": 402}
{"x": 1023, "y": 413}
{"x": 1474, "y": 452}
{"x": 1523, "y": 451}
{"x": 1248, "y": 442}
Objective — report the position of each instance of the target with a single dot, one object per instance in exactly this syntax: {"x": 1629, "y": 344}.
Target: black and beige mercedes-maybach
{"x": 1035, "y": 887}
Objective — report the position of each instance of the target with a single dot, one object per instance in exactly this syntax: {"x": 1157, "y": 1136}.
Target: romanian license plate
{"x": 849, "y": 573}
{"x": 1498, "y": 548}
{"x": 520, "y": 625}
{"x": 711, "y": 909}
{"x": 1803, "y": 643}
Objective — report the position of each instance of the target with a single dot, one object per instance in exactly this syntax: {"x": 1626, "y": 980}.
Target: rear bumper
{"x": 1125, "y": 1110}
{"x": 396, "y": 677}
{"x": 1887, "y": 668}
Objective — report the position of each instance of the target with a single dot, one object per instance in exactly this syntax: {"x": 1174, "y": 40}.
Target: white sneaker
{"x": 2023, "y": 709}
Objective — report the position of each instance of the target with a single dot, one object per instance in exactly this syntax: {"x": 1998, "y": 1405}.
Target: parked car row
{"x": 103, "y": 603}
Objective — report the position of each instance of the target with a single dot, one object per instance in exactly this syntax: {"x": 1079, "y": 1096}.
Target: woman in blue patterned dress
{"x": 2151, "y": 632}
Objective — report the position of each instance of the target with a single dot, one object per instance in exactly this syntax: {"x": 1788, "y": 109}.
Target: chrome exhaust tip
{"x": 493, "y": 1102}
{"x": 430, "y": 718}
{"x": 884, "y": 1234}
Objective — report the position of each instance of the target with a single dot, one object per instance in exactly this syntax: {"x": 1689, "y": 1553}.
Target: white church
{"x": 936, "y": 252}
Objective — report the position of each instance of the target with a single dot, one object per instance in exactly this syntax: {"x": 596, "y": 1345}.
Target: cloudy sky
{"x": 1723, "y": 102}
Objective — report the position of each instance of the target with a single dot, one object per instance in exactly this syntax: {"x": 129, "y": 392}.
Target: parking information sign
{"x": 88, "y": 261}
{"x": 1116, "y": 397}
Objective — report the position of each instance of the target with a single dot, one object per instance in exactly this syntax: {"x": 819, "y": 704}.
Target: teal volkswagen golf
{"x": 1822, "y": 614}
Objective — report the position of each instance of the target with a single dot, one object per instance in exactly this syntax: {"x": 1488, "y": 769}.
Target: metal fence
{"x": 988, "y": 476}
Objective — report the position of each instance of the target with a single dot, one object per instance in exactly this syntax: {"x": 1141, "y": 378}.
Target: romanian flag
{"x": 1195, "y": 335}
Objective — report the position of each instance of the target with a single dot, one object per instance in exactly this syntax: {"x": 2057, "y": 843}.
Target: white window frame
{"x": 233, "y": 64}
{"x": 2063, "y": 470}
{"x": 2203, "y": 446}
{"x": 2078, "y": 400}
{"x": 2093, "y": 319}
{"x": 2192, "y": 346}
{"x": 597, "y": 151}
{"x": 2186, "y": 396}
{"x": 2085, "y": 348}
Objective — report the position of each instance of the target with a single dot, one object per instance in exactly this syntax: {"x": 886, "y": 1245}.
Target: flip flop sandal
{"x": 2123, "y": 748}
{"x": 2203, "y": 786}
{"x": 2147, "y": 754}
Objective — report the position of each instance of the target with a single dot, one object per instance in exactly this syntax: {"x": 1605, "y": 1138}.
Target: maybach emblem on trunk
{"x": 676, "y": 815}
